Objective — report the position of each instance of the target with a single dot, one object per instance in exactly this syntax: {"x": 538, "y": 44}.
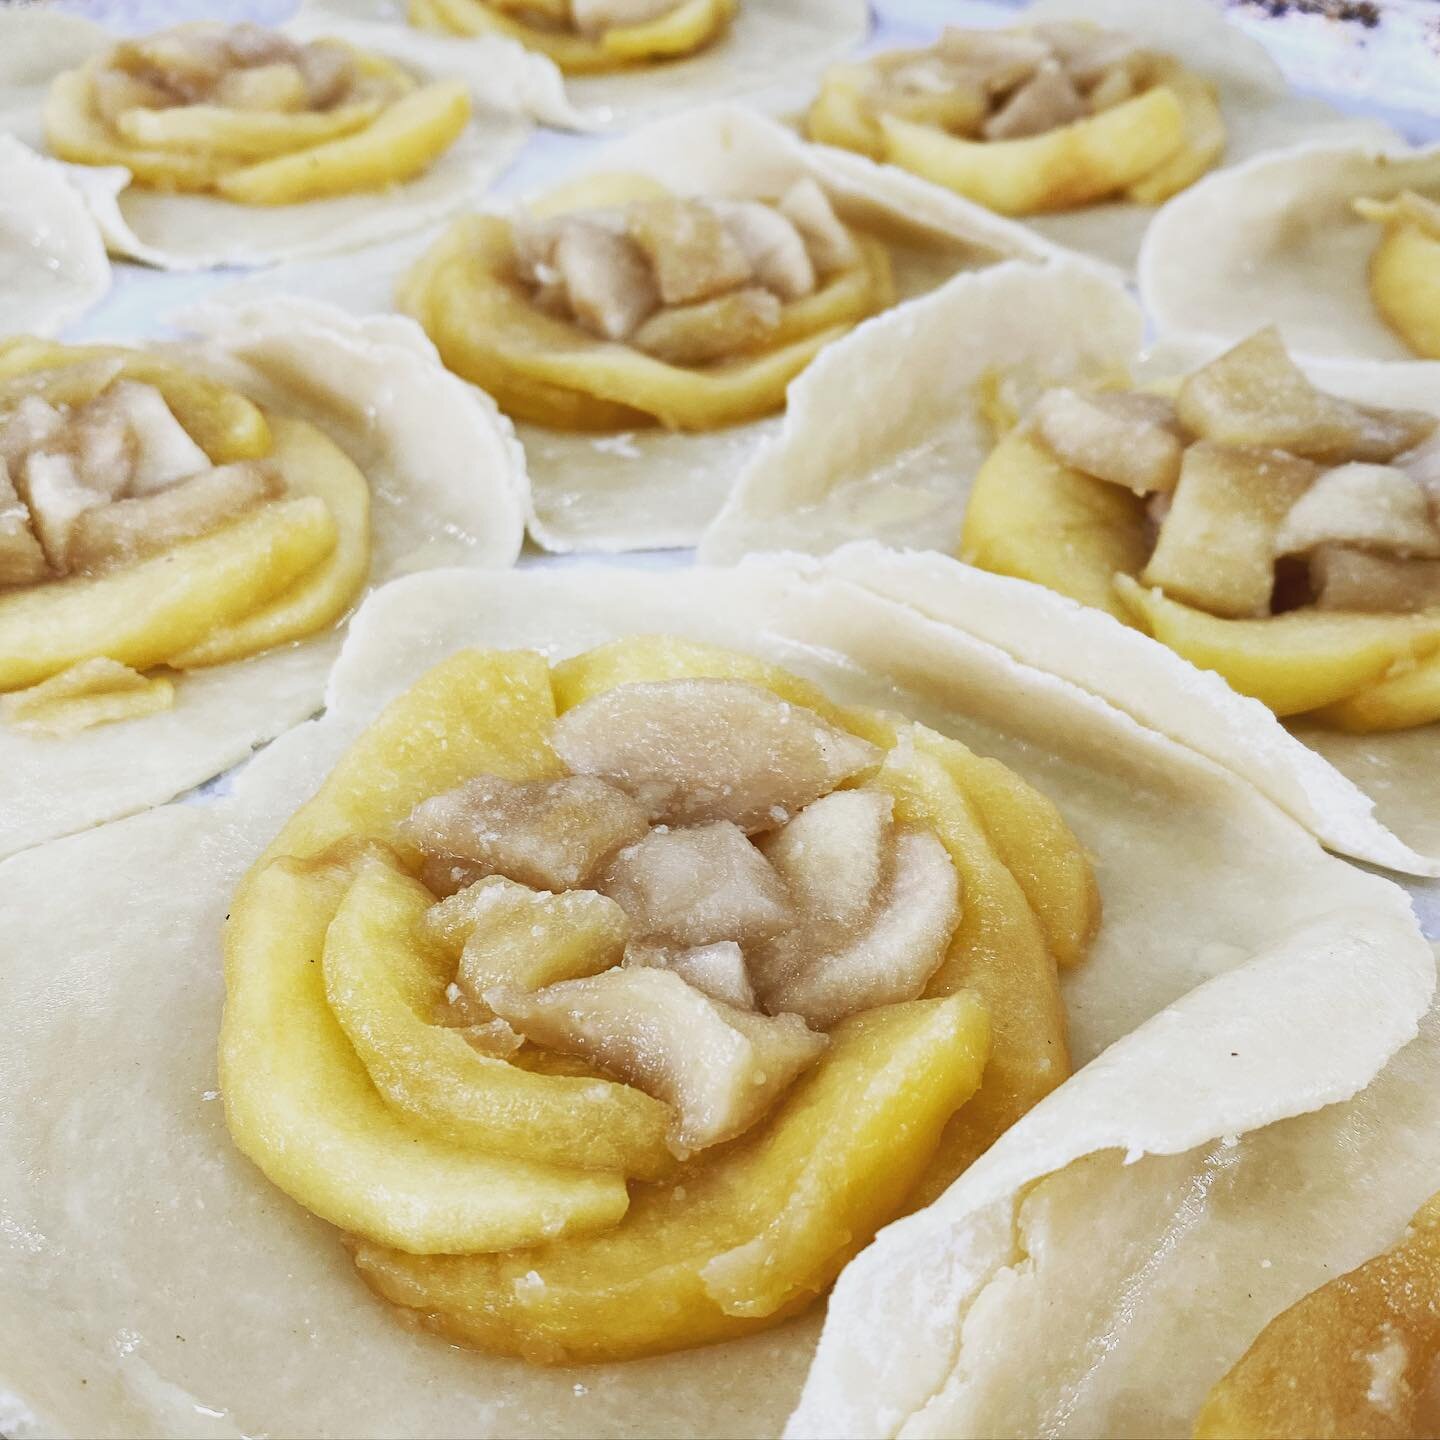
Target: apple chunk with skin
{"x": 693, "y": 751}
{"x": 720, "y": 1067}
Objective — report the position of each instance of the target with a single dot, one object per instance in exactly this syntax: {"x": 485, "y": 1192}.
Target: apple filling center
{"x": 708, "y": 890}
{"x": 1264, "y": 494}
{"x": 688, "y": 281}
{"x": 236, "y": 67}
{"x": 96, "y": 483}
{"x": 1010, "y": 84}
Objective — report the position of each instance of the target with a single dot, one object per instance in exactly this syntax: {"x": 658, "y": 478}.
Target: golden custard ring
{"x": 547, "y": 370}
{"x": 690, "y": 26}
{"x": 385, "y": 129}
{"x": 1145, "y": 148}
{"x": 282, "y": 570}
{"x": 1033, "y": 516}
{"x": 533, "y": 1208}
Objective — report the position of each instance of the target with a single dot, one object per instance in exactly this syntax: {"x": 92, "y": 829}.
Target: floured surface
{"x": 53, "y": 266}
{"x": 1260, "y": 110}
{"x": 446, "y": 488}
{"x": 1279, "y": 237}
{"x": 895, "y": 463}
{"x": 770, "y": 42}
{"x": 195, "y": 1299}
{"x": 1148, "y": 1280}
{"x": 197, "y": 232}
{"x": 650, "y": 488}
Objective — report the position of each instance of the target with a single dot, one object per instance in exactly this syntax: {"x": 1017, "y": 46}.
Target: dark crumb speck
{"x": 1353, "y": 12}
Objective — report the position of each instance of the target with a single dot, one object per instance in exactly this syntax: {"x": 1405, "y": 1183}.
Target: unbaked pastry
{"x": 186, "y": 527}
{"x": 909, "y": 469}
{"x": 1305, "y": 955}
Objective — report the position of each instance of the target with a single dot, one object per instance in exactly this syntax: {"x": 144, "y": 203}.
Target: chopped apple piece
{"x": 829, "y": 243}
{"x": 890, "y": 961}
{"x": 1377, "y": 507}
{"x": 548, "y": 834}
{"x": 692, "y": 254}
{"x": 22, "y": 561}
{"x": 526, "y": 939}
{"x": 710, "y": 329}
{"x": 833, "y": 855}
{"x": 999, "y": 59}
{"x": 328, "y": 67}
{"x": 100, "y": 442}
{"x": 739, "y": 1241}
{"x": 720, "y": 1067}
{"x": 51, "y": 486}
{"x": 923, "y": 87}
{"x": 1217, "y": 543}
{"x": 164, "y": 451}
{"x": 1126, "y": 437}
{"x": 278, "y": 87}
{"x": 692, "y": 751}
{"x": 1044, "y": 102}
{"x": 773, "y": 246}
{"x": 607, "y": 282}
{"x": 694, "y": 887}
{"x": 1255, "y": 394}
{"x": 28, "y": 424}
{"x": 1346, "y": 579}
{"x": 718, "y": 970}
{"x": 126, "y": 530}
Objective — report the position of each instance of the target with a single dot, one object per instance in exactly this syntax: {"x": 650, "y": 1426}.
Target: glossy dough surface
{"x": 53, "y": 265}
{"x": 439, "y": 461}
{"x": 154, "y": 1347}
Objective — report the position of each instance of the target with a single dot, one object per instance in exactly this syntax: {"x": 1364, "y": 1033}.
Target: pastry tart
{"x": 624, "y": 61}
{"x": 52, "y": 256}
{"x": 476, "y": 998}
{"x": 1264, "y": 520}
{"x": 211, "y": 143}
{"x": 183, "y": 531}
{"x": 1340, "y": 243}
{"x": 621, "y": 304}
{"x": 1082, "y": 119}
{"x": 644, "y": 320}
{"x": 1048, "y": 116}
{"x": 586, "y": 36}
{"x": 250, "y": 115}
